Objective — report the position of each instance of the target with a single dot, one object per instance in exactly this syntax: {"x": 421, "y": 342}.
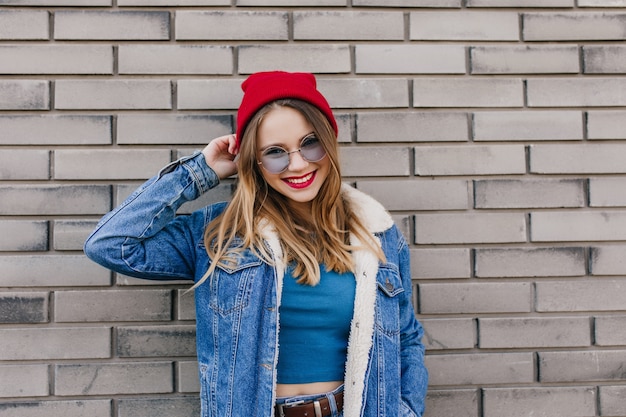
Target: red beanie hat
{"x": 262, "y": 88}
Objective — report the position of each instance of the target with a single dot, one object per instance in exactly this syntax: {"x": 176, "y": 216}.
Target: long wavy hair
{"x": 306, "y": 243}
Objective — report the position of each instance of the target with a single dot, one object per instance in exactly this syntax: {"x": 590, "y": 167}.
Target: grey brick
{"x": 576, "y": 92}
{"x": 588, "y": 295}
{"x": 71, "y": 234}
{"x": 602, "y": 192}
{"x": 578, "y": 159}
{"x": 489, "y": 368}
{"x": 581, "y": 366}
{"x": 528, "y": 125}
{"x": 465, "y": 26}
{"x": 530, "y": 262}
{"x": 436, "y": 263}
{"x": 175, "y": 59}
{"x": 573, "y": 26}
{"x": 55, "y": 343}
{"x": 469, "y": 160}
{"x": 612, "y": 400}
{"x": 226, "y": 25}
{"x": 542, "y": 193}
{"x": 468, "y": 92}
{"x": 534, "y": 332}
{"x": 408, "y": 3}
{"x": 111, "y": 25}
{"x": 222, "y": 192}
{"x": 449, "y": 334}
{"x": 453, "y": 402}
{"x": 23, "y": 235}
{"x": 604, "y": 59}
{"x": 23, "y": 381}
{"x": 590, "y": 226}
{"x": 23, "y": 307}
{"x": 174, "y": 2}
{"x": 113, "y": 94}
{"x": 374, "y": 161}
{"x": 154, "y": 341}
{"x": 188, "y": 376}
{"x": 209, "y": 94}
{"x": 418, "y": 195}
{"x": 186, "y": 305}
{"x": 24, "y": 24}
{"x": 365, "y": 92}
{"x": 98, "y": 164}
{"x": 601, "y": 3}
{"x": 55, "y": 130}
{"x": 24, "y": 94}
{"x": 470, "y": 228}
{"x": 348, "y": 25}
{"x": 12, "y": 166}
{"x": 54, "y": 199}
{"x": 56, "y": 59}
{"x": 51, "y": 270}
{"x": 603, "y": 124}
{"x": 271, "y": 3}
{"x": 74, "y": 408}
{"x": 472, "y": 298}
{"x": 410, "y": 59}
{"x": 318, "y": 58}
{"x": 113, "y": 378}
{"x": 525, "y": 59}
{"x": 384, "y": 126}
{"x": 94, "y": 306}
{"x": 610, "y": 330}
{"x": 159, "y": 407}
{"x": 549, "y": 401}
{"x": 521, "y": 3}
{"x": 171, "y": 129}
{"x": 608, "y": 260}
{"x": 73, "y": 3}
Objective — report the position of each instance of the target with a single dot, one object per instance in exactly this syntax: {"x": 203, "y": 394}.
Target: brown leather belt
{"x": 311, "y": 408}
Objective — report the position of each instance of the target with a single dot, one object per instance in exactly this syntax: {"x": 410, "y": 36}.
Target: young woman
{"x": 302, "y": 283}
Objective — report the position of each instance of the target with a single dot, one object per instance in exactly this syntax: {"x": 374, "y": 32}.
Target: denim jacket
{"x": 237, "y": 317}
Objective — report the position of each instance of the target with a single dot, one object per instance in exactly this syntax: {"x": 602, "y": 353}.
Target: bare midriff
{"x": 290, "y": 390}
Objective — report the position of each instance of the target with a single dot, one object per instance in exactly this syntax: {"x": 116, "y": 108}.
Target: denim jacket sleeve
{"x": 143, "y": 237}
{"x": 413, "y": 370}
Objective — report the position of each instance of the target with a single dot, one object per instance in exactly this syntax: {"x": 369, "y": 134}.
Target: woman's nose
{"x": 296, "y": 161}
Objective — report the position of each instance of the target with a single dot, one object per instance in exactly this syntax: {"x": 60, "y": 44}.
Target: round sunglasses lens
{"x": 275, "y": 162}
{"x": 312, "y": 150}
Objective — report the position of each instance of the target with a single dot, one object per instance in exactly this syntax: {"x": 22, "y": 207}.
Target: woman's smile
{"x": 301, "y": 182}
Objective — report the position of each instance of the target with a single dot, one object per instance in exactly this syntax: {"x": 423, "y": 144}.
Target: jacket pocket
{"x": 388, "y": 300}
{"x": 231, "y": 286}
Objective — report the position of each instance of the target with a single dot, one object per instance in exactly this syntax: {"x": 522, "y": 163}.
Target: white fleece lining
{"x": 361, "y": 330}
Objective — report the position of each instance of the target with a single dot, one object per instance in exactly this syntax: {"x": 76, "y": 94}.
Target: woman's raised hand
{"x": 220, "y": 155}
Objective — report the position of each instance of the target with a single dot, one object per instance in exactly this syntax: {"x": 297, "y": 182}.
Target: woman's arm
{"x": 143, "y": 237}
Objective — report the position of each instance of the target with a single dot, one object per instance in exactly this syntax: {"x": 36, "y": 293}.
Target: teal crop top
{"x": 314, "y": 328}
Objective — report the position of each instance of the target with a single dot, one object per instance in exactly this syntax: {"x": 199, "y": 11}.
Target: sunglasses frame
{"x": 288, "y": 154}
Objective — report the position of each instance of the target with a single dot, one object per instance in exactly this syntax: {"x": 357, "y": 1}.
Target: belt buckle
{"x": 281, "y": 407}
{"x": 318, "y": 408}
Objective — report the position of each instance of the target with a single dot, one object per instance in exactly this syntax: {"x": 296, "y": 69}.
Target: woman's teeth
{"x": 301, "y": 180}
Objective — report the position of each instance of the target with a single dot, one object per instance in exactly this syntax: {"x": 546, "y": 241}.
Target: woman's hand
{"x": 220, "y": 155}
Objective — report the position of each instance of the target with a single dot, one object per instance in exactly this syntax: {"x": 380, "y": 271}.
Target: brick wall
{"x": 495, "y": 131}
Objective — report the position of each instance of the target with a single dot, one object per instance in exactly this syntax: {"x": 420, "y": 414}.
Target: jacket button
{"x": 389, "y": 285}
